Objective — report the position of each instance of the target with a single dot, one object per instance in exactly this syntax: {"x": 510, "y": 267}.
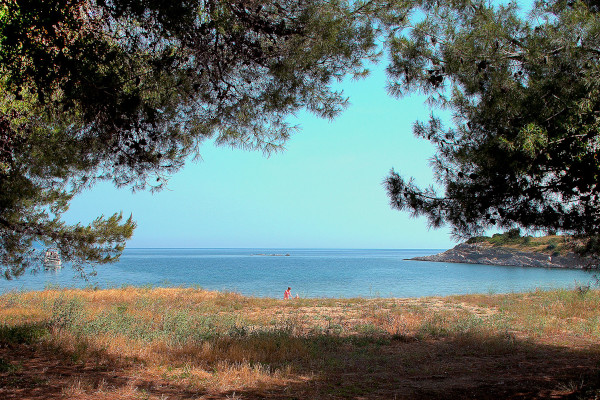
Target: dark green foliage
{"x": 513, "y": 233}
{"x": 590, "y": 247}
{"x": 127, "y": 90}
{"x": 477, "y": 239}
{"x": 6, "y": 366}
{"x": 525, "y": 97}
{"x": 511, "y": 237}
{"x": 21, "y": 334}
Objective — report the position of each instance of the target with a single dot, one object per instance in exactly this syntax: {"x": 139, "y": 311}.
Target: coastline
{"x": 311, "y": 273}
{"x": 481, "y": 253}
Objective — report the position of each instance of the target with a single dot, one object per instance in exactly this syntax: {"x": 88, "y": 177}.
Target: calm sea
{"x": 309, "y": 272}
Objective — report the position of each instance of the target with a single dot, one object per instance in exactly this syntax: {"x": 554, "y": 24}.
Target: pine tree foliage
{"x": 524, "y": 146}
{"x": 127, "y": 91}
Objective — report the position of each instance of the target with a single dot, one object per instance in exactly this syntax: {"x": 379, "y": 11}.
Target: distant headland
{"x": 512, "y": 249}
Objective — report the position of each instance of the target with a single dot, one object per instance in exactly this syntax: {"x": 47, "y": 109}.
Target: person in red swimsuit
{"x": 287, "y": 293}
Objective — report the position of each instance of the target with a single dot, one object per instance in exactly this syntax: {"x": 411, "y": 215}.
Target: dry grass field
{"x": 175, "y": 343}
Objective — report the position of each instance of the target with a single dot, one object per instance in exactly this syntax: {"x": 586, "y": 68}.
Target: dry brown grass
{"x": 188, "y": 343}
{"x": 550, "y": 244}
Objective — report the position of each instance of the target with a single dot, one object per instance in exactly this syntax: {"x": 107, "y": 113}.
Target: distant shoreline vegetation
{"x": 551, "y": 244}
{"x": 512, "y": 249}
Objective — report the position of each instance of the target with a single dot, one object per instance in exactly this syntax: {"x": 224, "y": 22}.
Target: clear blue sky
{"x": 325, "y": 190}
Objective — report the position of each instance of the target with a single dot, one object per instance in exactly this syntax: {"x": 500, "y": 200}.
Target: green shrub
{"x": 117, "y": 321}
{"x": 22, "y": 334}
{"x": 8, "y": 367}
{"x": 511, "y": 236}
{"x": 478, "y": 239}
{"x": 513, "y": 233}
{"x": 67, "y": 313}
{"x": 591, "y": 246}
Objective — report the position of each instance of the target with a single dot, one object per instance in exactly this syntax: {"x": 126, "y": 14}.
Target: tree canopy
{"x": 523, "y": 149}
{"x": 127, "y": 90}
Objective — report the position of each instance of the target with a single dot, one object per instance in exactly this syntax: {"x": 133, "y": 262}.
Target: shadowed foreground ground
{"x": 193, "y": 344}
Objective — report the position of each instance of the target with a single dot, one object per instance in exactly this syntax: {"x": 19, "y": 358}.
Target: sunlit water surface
{"x": 309, "y": 272}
